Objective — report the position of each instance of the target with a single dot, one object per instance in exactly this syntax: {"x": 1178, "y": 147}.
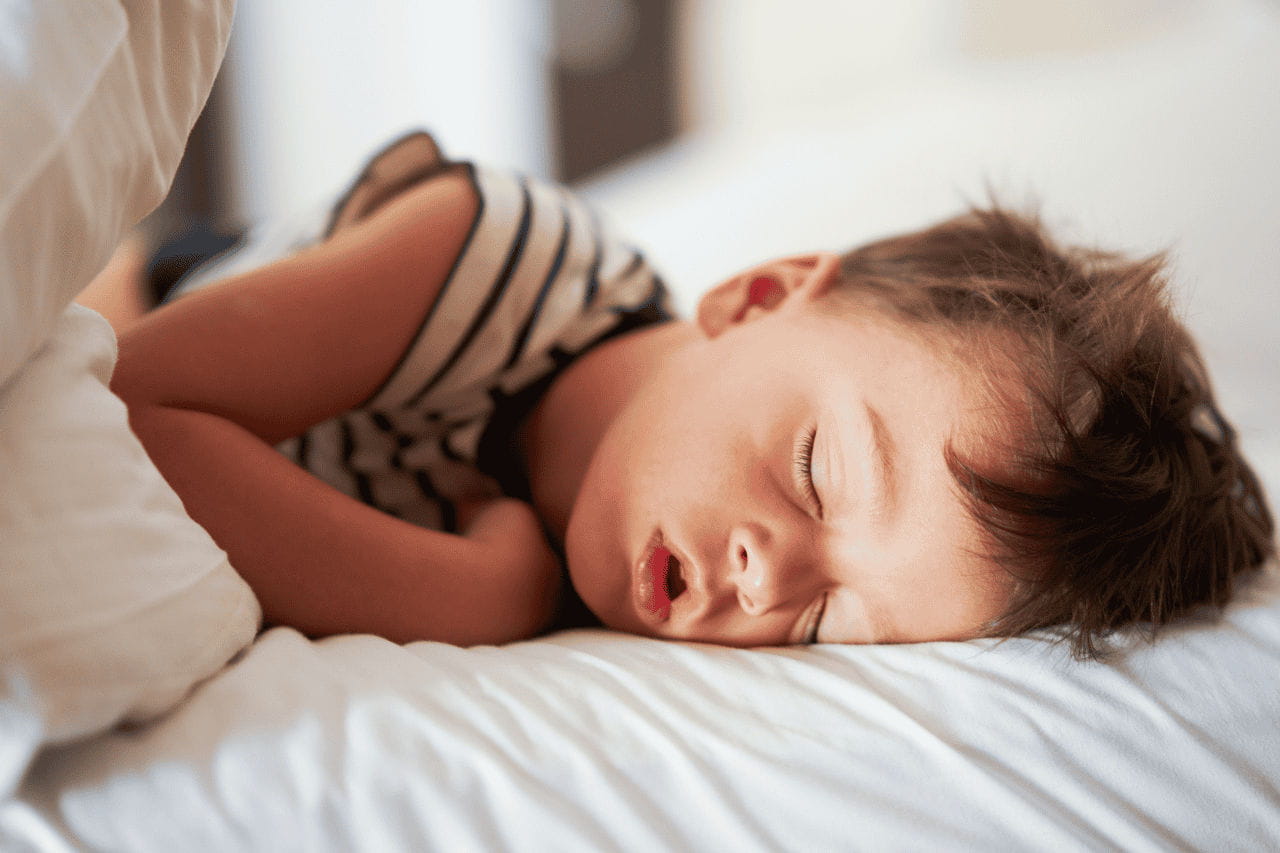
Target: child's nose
{"x": 763, "y": 569}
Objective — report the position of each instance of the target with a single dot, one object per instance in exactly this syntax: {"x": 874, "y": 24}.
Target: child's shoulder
{"x": 401, "y": 165}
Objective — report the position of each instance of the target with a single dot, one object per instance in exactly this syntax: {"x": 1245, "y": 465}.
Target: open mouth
{"x": 675, "y": 577}
{"x": 665, "y": 581}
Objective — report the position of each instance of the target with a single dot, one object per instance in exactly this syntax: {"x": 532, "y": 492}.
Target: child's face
{"x": 707, "y": 464}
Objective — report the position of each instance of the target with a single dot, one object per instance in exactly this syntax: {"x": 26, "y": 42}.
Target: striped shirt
{"x": 539, "y": 281}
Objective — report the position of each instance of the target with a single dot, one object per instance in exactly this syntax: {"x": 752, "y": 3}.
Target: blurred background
{"x": 567, "y": 89}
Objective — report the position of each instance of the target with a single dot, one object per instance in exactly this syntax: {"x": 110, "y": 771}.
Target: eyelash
{"x": 811, "y": 635}
{"x": 803, "y": 464}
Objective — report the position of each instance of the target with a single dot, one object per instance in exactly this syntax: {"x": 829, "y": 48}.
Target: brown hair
{"x": 1127, "y": 501}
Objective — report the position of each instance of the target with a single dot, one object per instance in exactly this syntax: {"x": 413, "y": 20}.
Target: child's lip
{"x": 648, "y": 581}
{"x": 650, "y": 593}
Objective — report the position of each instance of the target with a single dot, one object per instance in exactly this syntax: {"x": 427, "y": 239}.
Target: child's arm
{"x": 217, "y": 378}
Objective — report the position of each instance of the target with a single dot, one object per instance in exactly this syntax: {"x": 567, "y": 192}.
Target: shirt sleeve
{"x": 538, "y": 281}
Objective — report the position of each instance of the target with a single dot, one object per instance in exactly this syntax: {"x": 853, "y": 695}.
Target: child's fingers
{"x": 119, "y": 291}
{"x": 467, "y": 512}
{"x": 509, "y": 525}
{"x": 491, "y": 520}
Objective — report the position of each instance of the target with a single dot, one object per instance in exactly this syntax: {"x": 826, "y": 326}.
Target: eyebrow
{"x": 885, "y": 457}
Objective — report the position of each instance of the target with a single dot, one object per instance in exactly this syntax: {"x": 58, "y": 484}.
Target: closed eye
{"x": 802, "y": 465}
{"x": 815, "y": 622}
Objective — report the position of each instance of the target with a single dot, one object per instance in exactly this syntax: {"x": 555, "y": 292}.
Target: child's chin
{"x": 585, "y": 576}
{"x": 588, "y": 560}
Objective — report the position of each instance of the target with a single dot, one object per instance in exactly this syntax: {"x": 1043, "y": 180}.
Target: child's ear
{"x": 762, "y": 289}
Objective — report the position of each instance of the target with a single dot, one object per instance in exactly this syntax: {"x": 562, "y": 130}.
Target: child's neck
{"x": 561, "y": 435}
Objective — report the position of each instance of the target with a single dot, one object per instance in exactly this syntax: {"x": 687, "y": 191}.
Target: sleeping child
{"x": 455, "y": 407}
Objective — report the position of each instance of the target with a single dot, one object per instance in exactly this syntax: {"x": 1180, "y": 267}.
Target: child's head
{"x": 961, "y": 431}
{"x": 1122, "y": 497}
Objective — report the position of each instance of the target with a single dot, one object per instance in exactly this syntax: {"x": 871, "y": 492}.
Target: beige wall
{"x": 315, "y": 86}
{"x": 756, "y": 61}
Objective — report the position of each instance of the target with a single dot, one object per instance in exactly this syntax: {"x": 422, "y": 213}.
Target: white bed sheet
{"x": 595, "y": 741}
{"x": 589, "y": 740}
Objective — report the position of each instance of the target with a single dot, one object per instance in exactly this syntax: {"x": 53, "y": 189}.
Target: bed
{"x": 140, "y": 709}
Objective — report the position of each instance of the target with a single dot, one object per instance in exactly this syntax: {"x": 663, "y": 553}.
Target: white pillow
{"x": 113, "y": 602}
{"x": 98, "y": 98}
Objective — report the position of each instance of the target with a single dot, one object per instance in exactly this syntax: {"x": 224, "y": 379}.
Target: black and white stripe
{"x": 539, "y": 280}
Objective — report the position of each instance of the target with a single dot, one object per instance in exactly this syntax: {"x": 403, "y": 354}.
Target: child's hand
{"x": 511, "y": 529}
